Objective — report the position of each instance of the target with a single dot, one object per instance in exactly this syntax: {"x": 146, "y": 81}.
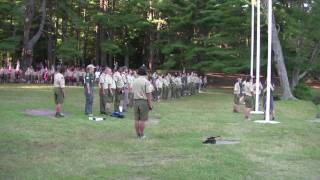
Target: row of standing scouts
{"x": 126, "y": 89}
{"x": 115, "y": 87}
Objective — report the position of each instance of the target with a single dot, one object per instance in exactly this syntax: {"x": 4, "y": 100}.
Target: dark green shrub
{"x": 316, "y": 100}
{"x": 303, "y": 92}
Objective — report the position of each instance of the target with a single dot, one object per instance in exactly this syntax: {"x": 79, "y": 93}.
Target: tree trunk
{"x": 50, "y": 32}
{"x": 280, "y": 65}
{"x": 295, "y": 78}
{"x": 278, "y": 57}
{"x": 64, "y": 27}
{"x": 28, "y": 44}
{"x": 50, "y": 45}
{"x": 126, "y": 56}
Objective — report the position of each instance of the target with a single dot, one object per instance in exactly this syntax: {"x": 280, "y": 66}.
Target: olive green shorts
{"x": 118, "y": 96}
{"x": 236, "y": 99}
{"x": 58, "y": 96}
{"x": 248, "y": 101}
{"x": 141, "y": 109}
{"x": 108, "y": 97}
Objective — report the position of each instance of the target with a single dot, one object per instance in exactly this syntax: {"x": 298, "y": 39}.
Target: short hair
{"x": 142, "y": 71}
{"x": 61, "y": 69}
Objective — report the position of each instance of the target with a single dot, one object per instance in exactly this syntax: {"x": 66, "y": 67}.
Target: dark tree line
{"x": 206, "y": 35}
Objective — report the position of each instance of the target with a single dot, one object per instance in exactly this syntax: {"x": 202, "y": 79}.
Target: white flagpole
{"x": 252, "y": 37}
{"x": 256, "y": 110}
{"x": 267, "y": 114}
{"x": 269, "y": 59}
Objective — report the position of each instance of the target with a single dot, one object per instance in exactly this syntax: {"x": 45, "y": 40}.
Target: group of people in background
{"x": 176, "y": 85}
{"x": 41, "y": 74}
{"x": 245, "y": 93}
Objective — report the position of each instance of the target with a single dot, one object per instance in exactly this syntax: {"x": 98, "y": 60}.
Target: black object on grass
{"x": 211, "y": 140}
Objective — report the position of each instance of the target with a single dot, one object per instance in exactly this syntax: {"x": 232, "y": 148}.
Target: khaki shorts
{"x": 248, "y": 101}
{"x": 58, "y": 96}
{"x": 141, "y": 109}
{"x": 236, "y": 99}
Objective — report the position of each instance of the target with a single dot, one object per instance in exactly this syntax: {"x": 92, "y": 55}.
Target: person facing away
{"x": 142, "y": 96}
{"x": 88, "y": 89}
{"x": 59, "y": 91}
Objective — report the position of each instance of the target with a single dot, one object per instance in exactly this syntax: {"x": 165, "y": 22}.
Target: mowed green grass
{"x": 33, "y": 147}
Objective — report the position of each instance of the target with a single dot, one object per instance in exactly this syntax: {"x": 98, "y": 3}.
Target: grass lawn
{"x": 33, "y": 147}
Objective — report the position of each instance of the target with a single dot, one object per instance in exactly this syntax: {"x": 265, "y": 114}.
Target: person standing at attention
{"x": 142, "y": 100}
{"x": 118, "y": 97}
{"x": 101, "y": 91}
{"x": 108, "y": 91}
{"x": 59, "y": 91}
{"x": 236, "y": 99}
{"x": 88, "y": 89}
{"x": 248, "y": 90}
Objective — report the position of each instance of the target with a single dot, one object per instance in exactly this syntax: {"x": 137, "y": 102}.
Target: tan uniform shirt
{"x": 59, "y": 81}
{"x": 130, "y": 79}
{"x": 165, "y": 82}
{"x": 141, "y": 87}
{"x": 159, "y": 83}
{"x": 178, "y": 81}
{"x": 107, "y": 81}
{"x": 248, "y": 89}
{"x": 236, "y": 89}
{"x": 118, "y": 80}
{"x": 102, "y": 80}
{"x": 113, "y": 85}
{"x": 259, "y": 90}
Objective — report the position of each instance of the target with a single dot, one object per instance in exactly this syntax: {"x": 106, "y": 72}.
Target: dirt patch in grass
{"x": 154, "y": 120}
{"x": 42, "y": 112}
{"x": 315, "y": 121}
{"x": 227, "y": 142}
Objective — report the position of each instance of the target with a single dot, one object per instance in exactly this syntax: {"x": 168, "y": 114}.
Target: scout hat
{"x": 90, "y": 66}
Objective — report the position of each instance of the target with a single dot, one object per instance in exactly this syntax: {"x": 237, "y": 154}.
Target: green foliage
{"x": 303, "y": 92}
{"x": 299, "y": 28}
{"x": 316, "y": 100}
{"x": 10, "y": 44}
{"x": 206, "y": 32}
{"x": 111, "y": 47}
{"x": 68, "y": 51}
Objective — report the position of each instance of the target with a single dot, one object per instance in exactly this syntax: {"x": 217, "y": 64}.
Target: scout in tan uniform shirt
{"x": 59, "y": 92}
{"x": 101, "y": 94}
{"x": 236, "y": 99}
{"x": 142, "y": 100}
{"x": 248, "y": 90}
{"x": 119, "y": 90}
{"x": 108, "y": 91}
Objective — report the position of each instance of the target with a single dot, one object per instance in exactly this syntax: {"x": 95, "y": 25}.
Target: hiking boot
{"x": 59, "y": 115}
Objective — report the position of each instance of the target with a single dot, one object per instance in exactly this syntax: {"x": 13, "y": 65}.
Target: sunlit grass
{"x": 33, "y": 147}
